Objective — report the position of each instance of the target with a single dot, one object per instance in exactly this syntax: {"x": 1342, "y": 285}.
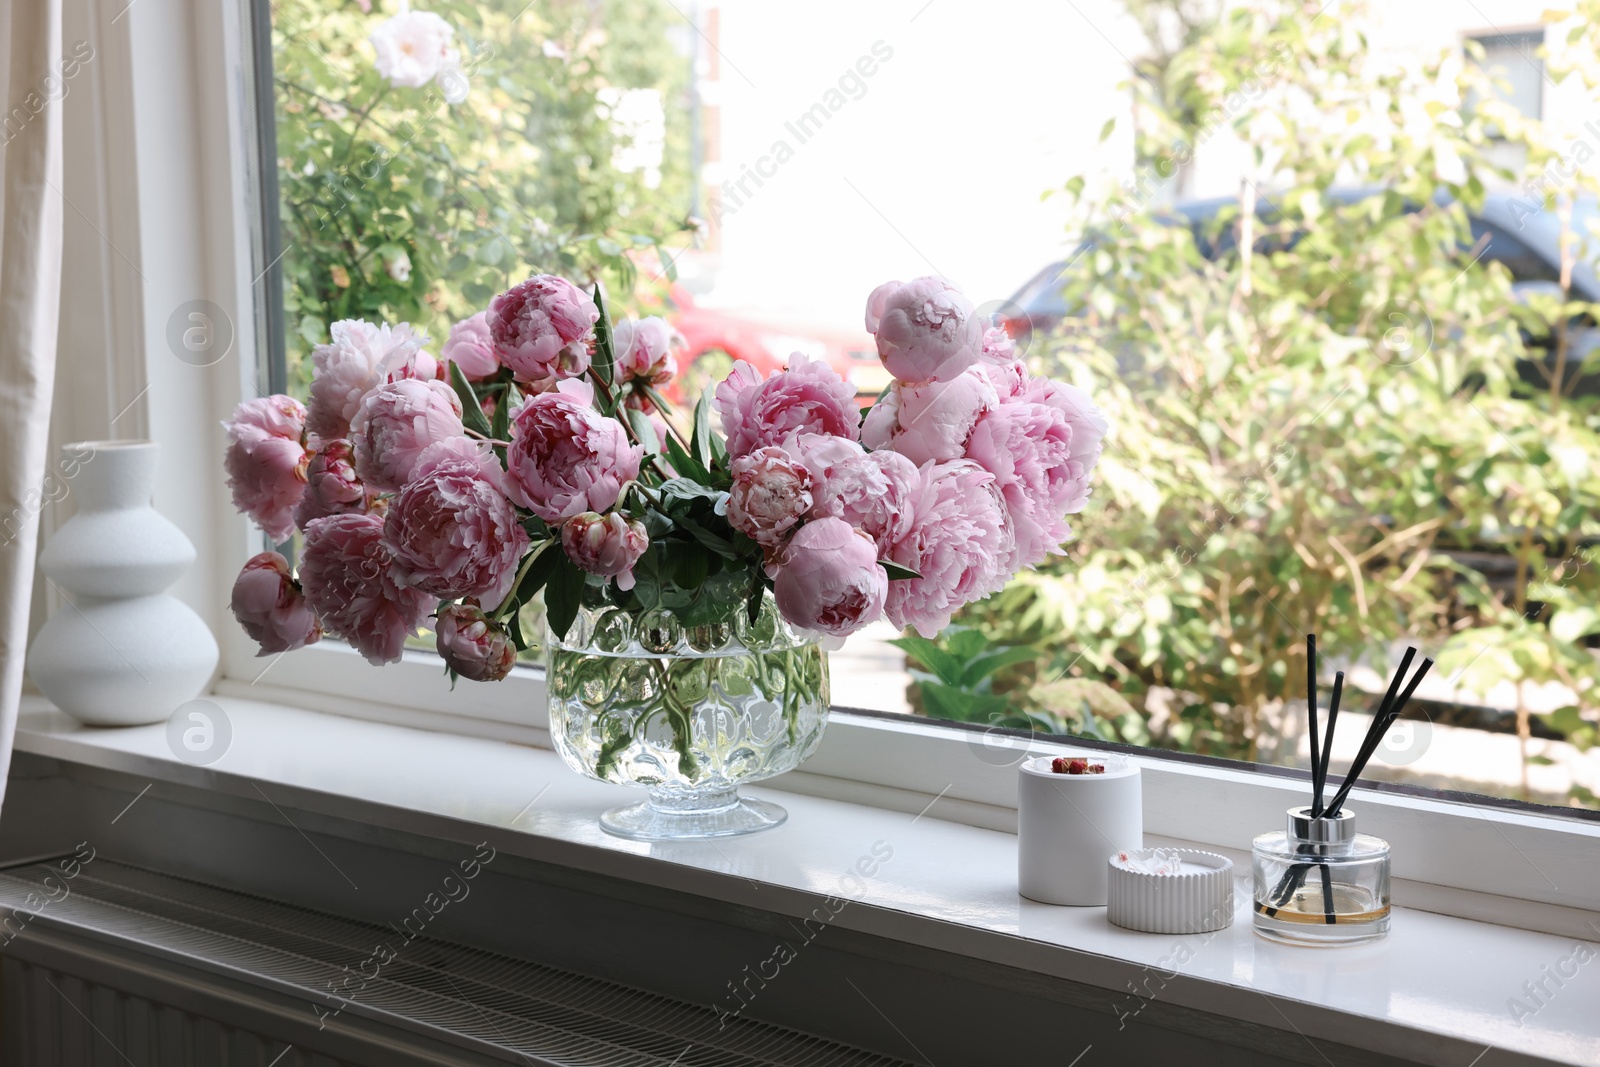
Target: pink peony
{"x": 266, "y": 462}
{"x": 829, "y": 582}
{"x": 809, "y": 397}
{"x": 877, "y": 429}
{"x": 348, "y": 574}
{"x": 644, "y": 350}
{"x": 452, "y": 530}
{"x": 1027, "y": 447}
{"x": 822, "y": 454}
{"x": 607, "y": 545}
{"x": 466, "y": 450}
{"x": 566, "y": 458}
{"x": 960, "y": 543}
{"x": 332, "y": 487}
{"x": 872, "y": 491}
{"x": 934, "y": 420}
{"x": 1069, "y": 483}
{"x": 998, "y": 349}
{"x": 345, "y": 371}
{"x": 268, "y": 603}
{"x": 771, "y": 493}
{"x": 471, "y": 347}
{"x": 396, "y": 422}
{"x": 542, "y": 328}
{"x": 926, "y": 329}
{"x": 1000, "y": 365}
{"x": 412, "y": 364}
{"x": 474, "y": 647}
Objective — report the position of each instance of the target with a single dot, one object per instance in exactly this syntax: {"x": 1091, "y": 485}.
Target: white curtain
{"x": 30, "y": 292}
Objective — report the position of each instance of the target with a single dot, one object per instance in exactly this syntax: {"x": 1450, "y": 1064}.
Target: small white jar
{"x": 1068, "y": 826}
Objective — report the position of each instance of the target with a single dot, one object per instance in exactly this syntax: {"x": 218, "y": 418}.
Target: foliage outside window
{"x": 569, "y": 153}
{"x": 1331, "y": 425}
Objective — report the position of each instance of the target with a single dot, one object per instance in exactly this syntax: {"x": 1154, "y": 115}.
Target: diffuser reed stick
{"x": 1380, "y": 726}
{"x": 1317, "y": 766}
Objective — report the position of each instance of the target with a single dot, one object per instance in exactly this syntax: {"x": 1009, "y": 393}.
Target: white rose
{"x": 412, "y": 47}
{"x": 399, "y": 267}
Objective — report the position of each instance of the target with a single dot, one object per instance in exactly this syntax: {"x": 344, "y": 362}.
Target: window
{"x": 752, "y": 177}
{"x": 1513, "y": 60}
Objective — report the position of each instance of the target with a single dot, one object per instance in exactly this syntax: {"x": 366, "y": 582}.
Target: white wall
{"x": 937, "y": 168}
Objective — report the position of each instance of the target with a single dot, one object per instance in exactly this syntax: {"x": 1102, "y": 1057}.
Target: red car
{"x": 717, "y": 338}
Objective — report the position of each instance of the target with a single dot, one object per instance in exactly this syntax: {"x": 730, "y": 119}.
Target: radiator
{"x": 105, "y": 963}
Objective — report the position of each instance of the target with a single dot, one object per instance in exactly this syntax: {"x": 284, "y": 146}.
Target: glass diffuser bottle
{"x": 1319, "y": 882}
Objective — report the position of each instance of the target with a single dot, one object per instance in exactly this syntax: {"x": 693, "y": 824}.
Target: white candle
{"x": 1069, "y": 825}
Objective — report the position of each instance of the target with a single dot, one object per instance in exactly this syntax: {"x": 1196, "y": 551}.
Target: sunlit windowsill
{"x": 1437, "y": 990}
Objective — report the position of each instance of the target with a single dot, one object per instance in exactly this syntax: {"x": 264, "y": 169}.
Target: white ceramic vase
{"x": 121, "y": 652}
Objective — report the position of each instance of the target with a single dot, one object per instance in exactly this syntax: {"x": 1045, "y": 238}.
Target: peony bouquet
{"x": 536, "y": 453}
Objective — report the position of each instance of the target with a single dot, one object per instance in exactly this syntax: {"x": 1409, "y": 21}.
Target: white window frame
{"x": 179, "y": 70}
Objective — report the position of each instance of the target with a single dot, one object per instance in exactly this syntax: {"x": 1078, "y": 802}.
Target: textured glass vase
{"x": 688, "y": 712}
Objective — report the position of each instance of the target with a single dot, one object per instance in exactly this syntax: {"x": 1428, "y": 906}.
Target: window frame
{"x": 1525, "y": 868}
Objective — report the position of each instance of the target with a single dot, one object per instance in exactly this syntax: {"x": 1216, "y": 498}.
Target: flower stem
{"x": 522, "y": 572}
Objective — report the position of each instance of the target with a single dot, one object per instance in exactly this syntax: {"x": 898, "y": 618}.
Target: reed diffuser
{"x": 1317, "y": 881}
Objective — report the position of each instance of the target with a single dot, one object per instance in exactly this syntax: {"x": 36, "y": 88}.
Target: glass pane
{"x": 1281, "y": 256}
{"x": 1513, "y": 60}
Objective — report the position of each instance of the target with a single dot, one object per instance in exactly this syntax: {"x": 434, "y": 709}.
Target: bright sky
{"x": 935, "y": 167}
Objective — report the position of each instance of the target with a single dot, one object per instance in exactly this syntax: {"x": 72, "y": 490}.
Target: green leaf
{"x": 689, "y": 568}
{"x": 686, "y": 465}
{"x": 897, "y": 572}
{"x": 930, "y": 655}
{"x": 500, "y": 424}
{"x": 539, "y": 571}
{"x": 514, "y": 627}
{"x": 563, "y": 594}
{"x": 941, "y": 701}
{"x": 1090, "y": 726}
{"x": 1571, "y": 624}
{"x": 1105, "y": 131}
{"x": 752, "y": 606}
{"x": 700, "y": 441}
{"x": 605, "y": 357}
{"x": 965, "y": 642}
{"x": 717, "y": 543}
{"x": 643, "y": 429}
{"x": 471, "y": 412}
{"x": 979, "y": 669}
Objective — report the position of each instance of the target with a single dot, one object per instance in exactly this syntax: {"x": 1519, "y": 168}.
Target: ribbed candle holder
{"x": 1197, "y": 899}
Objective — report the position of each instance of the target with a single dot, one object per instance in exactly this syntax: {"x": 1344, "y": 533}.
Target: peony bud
{"x": 268, "y": 603}
{"x": 332, "y": 487}
{"x": 473, "y": 645}
{"x": 926, "y": 329}
{"x": 608, "y": 545}
{"x": 471, "y": 348}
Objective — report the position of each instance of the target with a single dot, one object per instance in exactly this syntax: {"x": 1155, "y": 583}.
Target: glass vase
{"x": 686, "y": 711}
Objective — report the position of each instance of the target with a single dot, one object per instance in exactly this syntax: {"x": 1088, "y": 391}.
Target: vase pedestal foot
{"x": 664, "y": 819}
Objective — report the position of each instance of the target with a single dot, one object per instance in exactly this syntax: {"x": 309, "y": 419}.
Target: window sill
{"x": 1437, "y": 990}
